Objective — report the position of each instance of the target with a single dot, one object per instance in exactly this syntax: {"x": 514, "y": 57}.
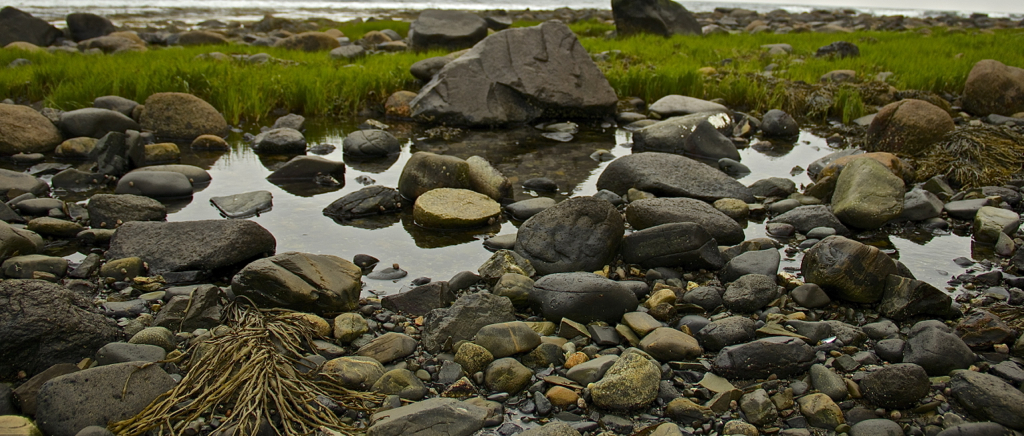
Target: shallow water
{"x": 298, "y": 223}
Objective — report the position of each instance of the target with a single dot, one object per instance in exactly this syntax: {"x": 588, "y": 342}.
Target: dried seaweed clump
{"x": 248, "y": 375}
{"x": 975, "y": 156}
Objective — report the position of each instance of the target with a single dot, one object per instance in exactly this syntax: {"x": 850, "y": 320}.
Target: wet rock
{"x": 758, "y": 408}
{"x": 761, "y": 262}
{"x": 507, "y": 375}
{"x": 778, "y": 124}
{"x": 910, "y": 127}
{"x": 707, "y": 297}
{"x": 673, "y": 244}
{"x": 22, "y": 26}
{"x": 426, "y": 171}
{"x": 677, "y": 105}
{"x": 806, "y": 218}
{"x": 401, "y": 382}
{"x": 758, "y": 359}
{"x": 541, "y": 184}
{"x": 668, "y": 175}
{"x": 732, "y": 167}
{"x": 307, "y": 169}
{"x": 450, "y": 30}
{"x": 686, "y": 411}
{"x": 981, "y": 330}
{"x": 354, "y": 372}
{"x": 35, "y": 339}
{"x": 23, "y": 130}
{"x": 210, "y": 142}
{"x": 283, "y": 140}
{"x": 523, "y": 210}
{"x": 487, "y": 180}
{"x": 876, "y": 427}
{"x": 904, "y": 298}
{"x": 665, "y": 18}
{"x": 897, "y": 386}
{"x": 506, "y": 339}
{"x": 443, "y": 328}
{"x": 505, "y": 262}
{"x": 965, "y": 209}
{"x": 935, "y": 349}
{"x": 867, "y": 195}
{"x": 990, "y": 222}
{"x": 848, "y": 269}
{"x": 243, "y": 205}
{"x": 668, "y": 344}
{"x": 656, "y": 211}
{"x": 120, "y": 352}
{"x": 773, "y": 187}
{"x": 529, "y": 79}
{"x": 448, "y": 208}
{"x": 432, "y": 416}
{"x": 370, "y": 143}
{"x": 821, "y": 411}
{"x": 301, "y": 281}
{"x": 630, "y": 383}
{"x": 191, "y": 245}
{"x": 389, "y": 347}
{"x": 578, "y": 234}
{"x": 94, "y": 123}
{"x": 726, "y": 331}
{"x": 155, "y": 184}
{"x": 108, "y": 211}
{"x": 33, "y": 266}
{"x": 515, "y": 287}
{"x": 581, "y": 297}
{"x": 173, "y": 115}
{"x": 195, "y": 175}
{"x": 750, "y": 293}
{"x": 420, "y": 300}
{"x": 994, "y": 88}
{"x": 919, "y": 205}
{"x": 75, "y": 148}
{"x": 371, "y": 200}
{"x": 54, "y": 227}
{"x": 988, "y": 397}
{"x": 66, "y": 404}
{"x": 976, "y": 429}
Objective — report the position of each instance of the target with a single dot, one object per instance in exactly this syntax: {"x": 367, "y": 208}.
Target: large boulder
{"x": 197, "y": 37}
{"x": 301, "y": 281}
{"x": 630, "y": 383}
{"x": 669, "y": 175}
{"x": 897, "y": 386}
{"x": 433, "y": 417}
{"x": 309, "y": 41}
{"x": 155, "y": 184}
{"x": 908, "y": 127}
{"x": 449, "y": 30}
{"x": 83, "y": 26}
{"x": 516, "y": 76}
{"x": 660, "y": 17}
{"x": 578, "y": 234}
{"x": 180, "y": 116}
{"x": 848, "y": 269}
{"x": 95, "y": 122}
{"x": 447, "y": 208}
{"x": 685, "y": 244}
{"x": 936, "y": 349}
{"x": 443, "y": 328}
{"x": 98, "y": 396}
{"x": 45, "y": 324}
{"x": 867, "y": 195}
{"x": 652, "y": 212}
{"x": 206, "y": 245}
{"x": 17, "y": 25}
{"x": 15, "y": 241}
{"x": 425, "y": 171}
{"x": 23, "y": 130}
{"x": 758, "y": 359}
{"x": 988, "y": 397}
{"x": 582, "y": 297}
{"x": 994, "y": 88}
{"x": 672, "y": 135}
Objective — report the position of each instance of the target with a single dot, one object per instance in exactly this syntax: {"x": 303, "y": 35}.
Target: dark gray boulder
{"x": 582, "y": 297}
{"x": 17, "y": 25}
{"x": 204, "y": 245}
{"x": 420, "y": 300}
{"x": 155, "y": 184}
{"x": 109, "y": 211}
{"x": 45, "y": 324}
{"x": 726, "y": 331}
{"x": 21, "y": 182}
{"x": 932, "y": 346}
{"x": 115, "y": 102}
{"x": 651, "y": 212}
{"x": 773, "y": 187}
{"x": 669, "y": 175}
{"x": 318, "y": 283}
{"x": 370, "y": 143}
{"x": 779, "y": 124}
{"x": 684, "y": 244}
{"x": 758, "y": 359}
{"x": 98, "y": 396}
{"x": 660, "y": 17}
{"x": 762, "y": 262}
{"x": 750, "y": 293}
{"x": 433, "y": 417}
{"x": 111, "y": 154}
{"x": 371, "y": 200}
{"x": 904, "y": 298}
{"x": 94, "y": 122}
{"x": 988, "y": 397}
{"x": 306, "y": 169}
{"x": 443, "y": 328}
{"x": 527, "y": 77}
{"x": 975, "y": 429}
{"x": 671, "y": 135}
{"x": 523, "y": 210}
{"x": 876, "y": 427}
{"x": 848, "y": 269}
{"x": 806, "y": 218}
{"x": 120, "y": 352}
{"x": 897, "y": 386}
{"x": 840, "y": 49}
{"x": 449, "y": 30}
{"x": 427, "y": 68}
{"x": 578, "y": 234}
{"x": 283, "y": 140}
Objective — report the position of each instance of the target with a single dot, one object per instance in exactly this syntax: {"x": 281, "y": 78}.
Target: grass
{"x": 729, "y": 67}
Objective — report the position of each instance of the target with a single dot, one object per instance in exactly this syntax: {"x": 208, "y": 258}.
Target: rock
{"x": 668, "y": 344}
{"x": 908, "y": 127}
{"x": 401, "y": 382}
{"x": 309, "y": 42}
{"x": 578, "y": 234}
{"x": 17, "y": 25}
{"x": 426, "y": 69}
{"x": 282, "y": 140}
{"x": 370, "y": 143}
{"x": 980, "y": 330}
{"x": 426, "y": 171}
{"x": 420, "y": 300}
{"x": 243, "y": 205}
{"x": 581, "y": 297}
{"x": 487, "y": 180}
{"x": 990, "y": 222}
{"x": 806, "y": 218}
{"x": 936, "y": 350}
{"x": 993, "y": 88}
{"x": 307, "y": 169}
{"x": 673, "y": 135}
{"x": 778, "y": 355}
{"x": 904, "y": 298}
{"x": 120, "y": 352}
{"x": 726, "y": 331}
{"x": 876, "y": 427}
{"x": 94, "y": 123}
{"x": 655, "y": 211}
{"x": 16, "y": 241}
{"x": 685, "y": 244}
{"x": 529, "y": 79}
{"x": 919, "y": 205}
{"x": 75, "y": 148}
{"x": 66, "y": 404}
{"x": 108, "y": 211}
{"x": 316, "y": 283}
{"x": 685, "y": 411}
{"x": 591, "y": 370}
{"x": 18, "y": 426}
{"x": 117, "y": 42}
{"x": 349, "y": 326}
{"x": 211, "y": 143}
{"x": 507, "y": 375}
{"x": 54, "y": 227}
{"x": 31, "y": 265}
{"x": 760, "y": 262}
{"x": 976, "y": 429}
{"x": 191, "y": 245}
{"x": 473, "y": 358}
{"x": 778, "y": 124}
{"x": 447, "y": 208}
{"x": 23, "y": 130}
{"x": 114, "y": 102}
{"x": 515, "y": 287}
{"x": 371, "y": 200}
{"x": 676, "y": 105}
{"x": 553, "y": 428}
{"x": 174, "y": 115}
{"x": 354, "y": 372}
{"x": 506, "y": 339}
{"x": 443, "y": 328}
{"x": 196, "y": 176}
{"x": 504, "y": 262}
{"x": 988, "y": 397}
{"x": 389, "y": 347}
{"x": 155, "y": 184}
{"x": 897, "y": 386}
{"x": 198, "y": 37}
{"x": 523, "y": 210}
{"x": 758, "y": 408}
{"x": 750, "y": 293}
{"x": 541, "y": 184}
{"x": 821, "y": 411}
{"x": 630, "y": 383}
{"x": 965, "y": 209}
{"x": 665, "y": 18}
{"x": 668, "y": 175}
{"x": 41, "y": 340}
{"x": 449, "y": 30}
{"x": 431, "y": 417}
{"x": 848, "y": 269}
{"x": 707, "y": 297}
{"x": 867, "y": 195}
{"x": 840, "y": 49}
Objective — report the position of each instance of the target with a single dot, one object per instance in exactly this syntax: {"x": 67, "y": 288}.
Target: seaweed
{"x": 975, "y": 156}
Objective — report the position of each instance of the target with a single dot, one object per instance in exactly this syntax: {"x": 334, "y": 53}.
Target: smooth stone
{"x": 155, "y": 184}
{"x": 243, "y": 205}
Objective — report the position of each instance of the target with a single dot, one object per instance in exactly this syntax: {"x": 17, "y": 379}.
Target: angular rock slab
{"x": 848, "y": 269}
{"x": 669, "y": 175}
{"x": 650, "y": 212}
{"x": 578, "y": 234}
{"x": 243, "y": 205}
{"x": 660, "y": 17}
{"x": 433, "y": 417}
{"x": 533, "y": 72}
{"x": 318, "y": 283}
{"x": 988, "y": 397}
{"x": 759, "y": 359}
{"x": 448, "y": 208}
{"x": 371, "y": 200}
{"x": 204, "y": 245}
{"x": 867, "y": 195}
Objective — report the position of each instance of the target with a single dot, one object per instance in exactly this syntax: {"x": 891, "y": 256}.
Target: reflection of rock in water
{"x": 175, "y": 204}
{"x": 432, "y": 238}
{"x": 522, "y": 154}
{"x": 309, "y": 189}
{"x": 372, "y": 165}
{"x": 774, "y": 147}
{"x": 372, "y": 222}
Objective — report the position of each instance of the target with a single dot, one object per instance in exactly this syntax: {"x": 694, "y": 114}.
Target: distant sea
{"x": 192, "y": 11}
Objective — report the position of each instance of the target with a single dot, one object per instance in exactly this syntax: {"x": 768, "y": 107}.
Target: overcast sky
{"x": 1004, "y": 6}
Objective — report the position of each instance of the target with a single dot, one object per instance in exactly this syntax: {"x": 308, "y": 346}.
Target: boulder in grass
{"x": 660, "y": 17}
{"x": 205, "y": 245}
{"x": 994, "y": 88}
{"x": 83, "y": 26}
{"x": 180, "y": 116}
{"x": 317, "y": 283}
{"x": 309, "y": 41}
{"x": 17, "y": 25}
{"x": 23, "y": 130}
{"x": 198, "y": 37}
{"x": 449, "y": 30}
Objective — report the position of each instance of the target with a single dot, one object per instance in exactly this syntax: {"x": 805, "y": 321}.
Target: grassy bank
{"x": 649, "y": 67}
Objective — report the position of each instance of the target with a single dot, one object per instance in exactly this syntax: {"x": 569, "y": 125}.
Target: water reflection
{"x": 434, "y": 238}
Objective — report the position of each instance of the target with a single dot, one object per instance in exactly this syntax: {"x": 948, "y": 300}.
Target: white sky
{"x": 1003, "y": 6}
